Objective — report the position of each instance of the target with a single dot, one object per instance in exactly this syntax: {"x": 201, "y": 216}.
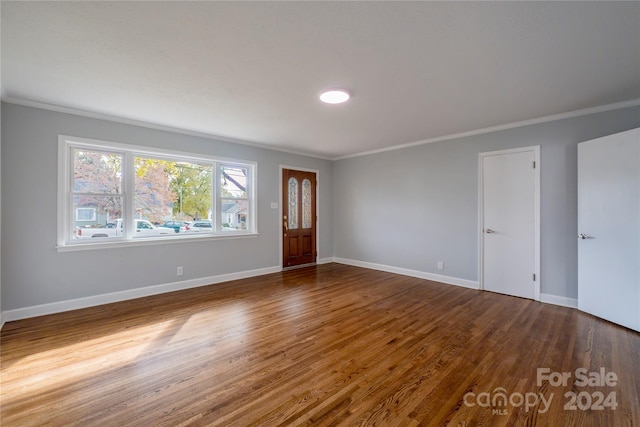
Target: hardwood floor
{"x": 325, "y": 345}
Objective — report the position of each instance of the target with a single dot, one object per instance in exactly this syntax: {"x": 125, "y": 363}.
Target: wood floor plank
{"x": 321, "y": 346}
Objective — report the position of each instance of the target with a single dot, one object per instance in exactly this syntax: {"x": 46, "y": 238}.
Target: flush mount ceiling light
{"x": 335, "y": 96}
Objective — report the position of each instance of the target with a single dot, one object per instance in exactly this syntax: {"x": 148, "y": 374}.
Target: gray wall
{"x": 35, "y": 273}
{"x": 412, "y": 207}
{"x": 1, "y": 315}
{"x": 1, "y": 261}
{"x": 406, "y": 208}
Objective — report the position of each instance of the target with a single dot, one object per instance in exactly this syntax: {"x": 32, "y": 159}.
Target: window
{"x": 113, "y": 192}
{"x": 234, "y": 202}
{"x": 96, "y": 185}
{"x": 85, "y": 214}
{"x": 166, "y": 189}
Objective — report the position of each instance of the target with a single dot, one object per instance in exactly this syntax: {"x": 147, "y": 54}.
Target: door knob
{"x": 489, "y": 231}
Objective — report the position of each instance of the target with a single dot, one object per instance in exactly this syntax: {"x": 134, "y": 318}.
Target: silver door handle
{"x": 489, "y": 231}
{"x": 584, "y": 236}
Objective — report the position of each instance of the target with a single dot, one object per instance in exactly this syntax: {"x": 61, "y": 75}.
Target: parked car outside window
{"x": 199, "y": 226}
{"x": 176, "y": 225}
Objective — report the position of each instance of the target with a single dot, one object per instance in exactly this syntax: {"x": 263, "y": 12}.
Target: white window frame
{"x": 66, "y": 213}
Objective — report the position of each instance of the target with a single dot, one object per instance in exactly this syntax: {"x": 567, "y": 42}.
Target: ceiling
{"x": 252, "y": 71}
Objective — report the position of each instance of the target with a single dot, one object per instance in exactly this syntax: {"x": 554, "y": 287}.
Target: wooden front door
{"x": 298, "y": 217}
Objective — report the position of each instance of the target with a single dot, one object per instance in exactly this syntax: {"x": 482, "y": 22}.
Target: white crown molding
{"x": 107, "y": 117}
{"x": 544, "y": 119}
{"x": 155, "y": 126}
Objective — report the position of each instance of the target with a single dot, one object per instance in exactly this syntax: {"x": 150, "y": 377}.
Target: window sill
{"x": 122, "y": 243}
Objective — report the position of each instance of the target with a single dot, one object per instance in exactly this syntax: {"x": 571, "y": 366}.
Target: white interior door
{"x": 609, "y": 221}
{"x": 509, "y": 194}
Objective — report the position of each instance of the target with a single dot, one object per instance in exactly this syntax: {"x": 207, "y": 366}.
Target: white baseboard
{"x": 557, "y": 300}
{"x": 546, "y": 298}
{"x": 412, "y": 273}
{"x": 61, "y": 306}
{"x": 74, "y": 304}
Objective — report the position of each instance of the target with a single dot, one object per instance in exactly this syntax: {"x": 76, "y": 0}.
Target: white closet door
{"x": 508, "y": 195}
{"x": 609, "y": 228}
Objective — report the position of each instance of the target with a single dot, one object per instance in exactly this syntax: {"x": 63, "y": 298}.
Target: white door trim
{"x": 536, "y": 151}
{"x": 280, "y": 212}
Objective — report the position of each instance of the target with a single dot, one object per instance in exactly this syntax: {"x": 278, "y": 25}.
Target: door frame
{"x": 281, "y": 213}
{"x": 536, "y": 250}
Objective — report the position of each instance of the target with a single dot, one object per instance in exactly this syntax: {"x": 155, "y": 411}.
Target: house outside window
{"x": 85, "y": 214}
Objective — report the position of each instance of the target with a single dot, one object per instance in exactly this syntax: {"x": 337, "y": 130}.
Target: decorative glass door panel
{"x": 307, "y": 200}
{"x": 293, "y": 203}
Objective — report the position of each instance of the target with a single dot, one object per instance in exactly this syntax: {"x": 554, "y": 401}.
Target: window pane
{"x": 233, "y": 181}
{"x": 97, "y": 172}
{"x": 293, "y": 203}
{"x": 107, "y": 210}
{"x": 234, "y": 215}
{"x": 306, "y": 204}
{"x": 167, "y": 190}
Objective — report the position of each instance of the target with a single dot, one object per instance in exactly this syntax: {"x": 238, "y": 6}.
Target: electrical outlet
{"x": 440, "y": 265}
{"x": 179, "y": 271}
